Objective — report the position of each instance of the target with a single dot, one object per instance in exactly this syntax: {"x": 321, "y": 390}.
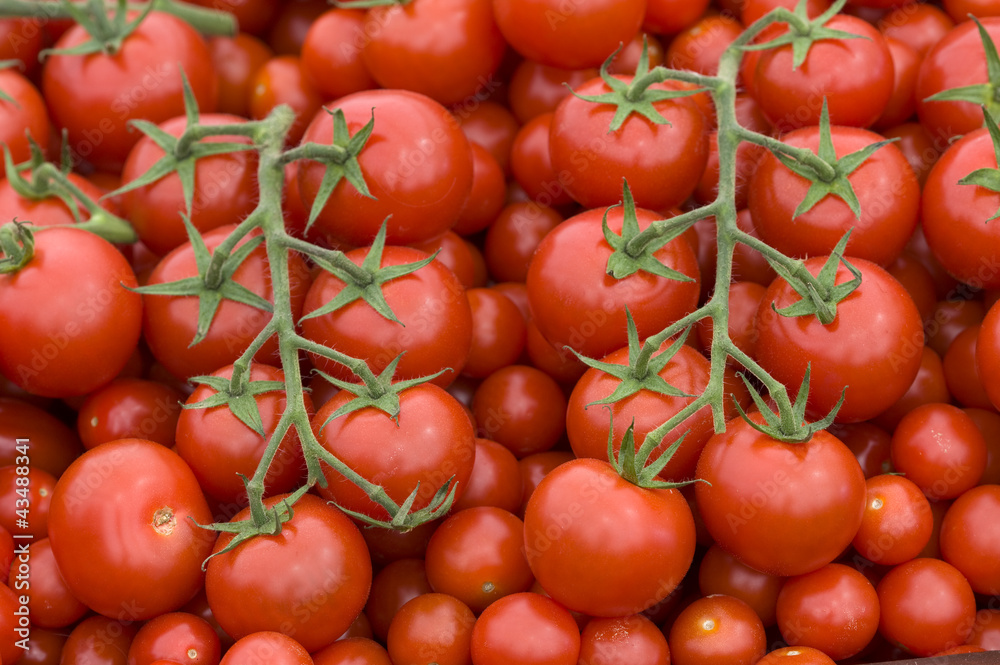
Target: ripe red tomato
{"x": 282, "y": 80}
{"x": 662, "y": 163}
{"x": 225, "y": 187}
{"x": 717, "y": 629}
{"x": 970, "y": 537}
{"x": 570, "y": 36}
{"x": 237, "y": 60}
{"x": 602, "y": 546}
{"x": 525, "y": 628}
{"x": 253, "y": 588}
{"x": 53, "y": 446}
{"x": 130, "y": 408}
{"x": 433, "y": 627}
{"x": 431, "y": 442}
{"x": 36, "y": 575}
{"x": 144, "y": 493}
{"x": 455, "y": 57}
{"x": 434, "y": 329}
{"x": 873, "y": 345}
{"x": 897, "y": 523}
{"x": 722, "y": 573}
{"x": 90, "y": 323}
{"x": 887, "y": 191}
{"x": 273, "y": 647}
{"x": 25, "y": 116}
{"x": 94, "y": 96}
{"x": 782, "y": 508}
{"x": 175, "y": 637}
{"x": 575, "y": 302}
{"x": 331, "y": 53}
{"x": 521, "y": 408}
{"x": 417, "y": 164}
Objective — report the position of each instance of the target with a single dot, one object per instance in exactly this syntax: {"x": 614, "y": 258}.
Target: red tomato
{"x": 130, "y": 408}
{"x": 331, "y": 54}
{"x": 631, "y": 640}
{"x": 52, "y": 446}
{"x": 175, "y": 637}
{"x": 854, "y": 76}
{"x": 25, "y": 489}
{"x": 352, "y": 651}
{"x": 394, "y": 586}
{"x": 513, "y": 237}
{"x": 521, "y": 408}
{"x": 498, "y": 333}
{"x": 928, "y": 387}
{"x": 873, "y": 346}
{"x": 170, "y": 323}
{"x": 25, "y": 116}
{"x": 970, "y": 537}
{"x": 535, "y": 88}
{"x": 919, "y": 25}
{"x": 89, "y": 326}
{"x": 433, "y": 627}
{"x": 266, "y": 646}
{"x": 281, "y": 80}
{"x": 717, "y": 629}
{"x": 662, "y": 163}
{"x": 252, "y": 588}
{"x": 927, "y": 606}
{"x": 525, "y": 628}
{"x": 531, "y": 164}
{"x": 455, "y": 57}
{"x": 225, "y": 187}
{"x": 903, "y": 103}
{"x": 722, "y": 573}
{"x": 490, "y": 125}
{"x": 489, "y": 189}
{"x": 568, "y": 36}
{"x": 897, "y": 524}
{"x": 417, "y": 164}
{"x": 939, "y": 448}
{"x": 435, "y": 321}
{"x": 35, "y": 575}
{"x": 699, "y": 47}
{"x": 431, "y": 442}
{"x": 796, "y": 656}
{"x": 576, "y": 303}
{"x": 602, "y": 546}
{"x": 782, "y": 508}
{"x": 237, "y": 60}
{"x": 141, "y": 491}
{"x": 99, "y": 640}
{"x": 94, "y": 96}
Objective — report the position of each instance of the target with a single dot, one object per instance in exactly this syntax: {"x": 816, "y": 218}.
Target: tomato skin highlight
{"x": 603, "y": 546}
{"x": 89, "y": 326}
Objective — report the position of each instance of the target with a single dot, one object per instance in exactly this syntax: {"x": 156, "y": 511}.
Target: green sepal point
{"x": 17, "y": 243}
{"x": 981, "y": 94}
{"x": 788, "y": 426}
{"x": 341, "y": 159}
{"x": 820, "y": 295}
{"x": 107, "y": 33}
{"x": 805, "y": 32}
{"x": 635, "y": 465}
{"x": 988, "y": 178}
{"x": 240, "y": 398}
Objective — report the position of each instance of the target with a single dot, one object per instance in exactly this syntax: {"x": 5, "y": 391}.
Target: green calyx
{"x": 820, "y": 295}
{"x": 238, "y": 394}
{"x": 181, "y": 153}
{"x": 984, "y": 94}
{"x": 214, "y": 282}
{"x": 633, "y": 250}
{"x": 340, "y": 158}
{"x": 17, "y": 243}
{"x": 788, "y": 425}
{"x": 366, "y": 282}
{"x": 48, "y": 180}
{"x": 988, "y": 178}
{"x": 643, "y": 369}
{"x": 834, "y": 181}
{"x": 403, "y": 517}
{"x": 637, "y": 96}
{"x": 803, "y": 32}
{"x": 635, "y": 466}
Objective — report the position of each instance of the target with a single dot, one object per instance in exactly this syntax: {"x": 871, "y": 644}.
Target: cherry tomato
{"x": 52, "y": 446}
{"x": 269, "y": 647}
{"x": 717, "y": 629}
{"x": 495, "y": 480}
{"x": 25, "y": 115}
{"x": 433, "y": 627}
{"x": 525, "y": 628}
{"x": 970, "y": 539}
{"x": 722, "y": 573}
{"x": 130, "y": 408}
{"x": 237, "y": 60}
{"x": 394, "y": 586}
{"x": 176, "y": 637}
{"x": 521, "y": 408}
{"x": 98, "y": 640}
{"x": 631, "y": 640}
{"x": 331, "y": 54}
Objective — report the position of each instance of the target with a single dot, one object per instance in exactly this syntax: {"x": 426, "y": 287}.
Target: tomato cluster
{"x": 499, "y": 331}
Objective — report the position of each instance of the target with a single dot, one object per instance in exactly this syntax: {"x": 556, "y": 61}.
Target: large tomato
{"x": 602, "y": 546}
{"x": 261, "y": 584}
{"x": 68, "y": 321}
{"x": 887, "y": 190}
{"x": 136, "y": 492}
{"x": 94, "y": 96}
{"x": 662, "y": 163}
{"x": 417, "y": 164}
{"x": 873, "y": 346}
{"x": 782, "y": 508}
{"x": 431, "y": 442}
{"x": 957, "y": 218}
{"x": 575, "y": 302}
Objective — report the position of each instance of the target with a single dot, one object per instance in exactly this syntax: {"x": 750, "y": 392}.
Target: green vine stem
{"x": 206, "y": 21}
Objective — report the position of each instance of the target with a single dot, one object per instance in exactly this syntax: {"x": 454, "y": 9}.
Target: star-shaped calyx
{"x": 643, "y": 369}
{"x": 988, "y": 178}
{"x": 366, "y": 284}
{"x": 214, "y": 282}
{"x": 820, "y": 295}
{"x": 635, "y": 97}
{"x": 341, "y": 159}
{"x": 788, "y": 425}
{"x": 107, "y": 33}
{"x": 984, "y": 94}
{"x": 621, "y": 263}
{"x": 804, "y": 32}
{"x": 836, "y": 182}
{"x": 180, "y": 156}
{"x": 239, "y": 396}
{"x": 634, "y": 465}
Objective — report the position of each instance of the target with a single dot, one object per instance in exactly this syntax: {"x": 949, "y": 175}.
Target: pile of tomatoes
{"x": 451, "y": 269}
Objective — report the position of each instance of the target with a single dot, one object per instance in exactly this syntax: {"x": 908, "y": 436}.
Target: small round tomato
{"x": 417, "y": 165}
{"x": 52, "y": 445}
{"x": 281, "y": 80}
{"x": 571, "y": 36}
{"x": 394, "y": 586}
{"x": 717, "y": 629}
{"x": 257, "y": 586}
{"x": 489, "y": 191}
{"x": 331, "y": 53}
{"x": 477, "y": 556}
{"x": 237, "y": 60}
{"x": 535, "y": 88}
{"x": 926, "y": 606}
{"x": 782, "y": 508}
{"x": 873, "y": 346}
{"x": 140, "y": 491}
{"x": 498, "y": 332}
{"x": 722, "y": 573}
{"x": 917, "y": 24}
{"x": 89, "y": 326}
{"x": 267, "y": 646}
{"x": 602, "y": 546}
{"x": 352, "y": 651}
{"x": 796, "y": 656}
{"x": 970, "y": 537}
{"x": 514, "y": 236}
{"x": 35, "y": 574}
{"x": 495, "y": 480}
{"x": 433, "y": 627}
{"x": 521, "y": 408}
{"x": 525, "y": 628}
{"x": 939, "y": 448}
{"x": 490, "y": 125}
{"x": 175, "y": 637}
{"x": 897, "y": 523}
{"x": 98, "y": 639}
{"x": 25, "y": 489}
{"x": 429, "y": 443}
{"x": 631, "y": 640}
{"x": 130, "y": 408}
{"x": 24, "y": 116}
